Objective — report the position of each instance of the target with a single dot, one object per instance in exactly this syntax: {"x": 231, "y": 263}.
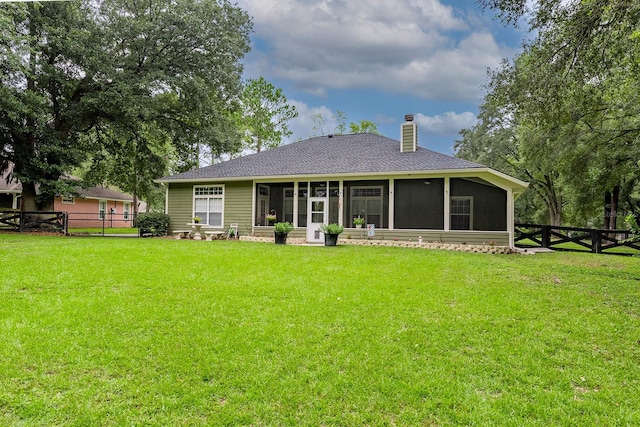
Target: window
{"x": 303, "y": 194}
{"x": 461, "y": 213}
{"x": 367, "y": 202}
{"x": 126, "y": 208}
{"x": 102, "y": 209}
{"x": 68, "y": 200}
{"x": 287, "y": 205}
{"x": 208, "y": 204}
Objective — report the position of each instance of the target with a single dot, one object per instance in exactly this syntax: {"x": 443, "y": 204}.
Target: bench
{"x": 181, "y": 234}
{"x": 210, "y": 234}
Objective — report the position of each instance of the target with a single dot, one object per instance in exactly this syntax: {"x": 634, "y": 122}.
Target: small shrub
{"x": 331, "y": 229}
{"x": 283, "y": 227}
{"x": 153, "y": 223}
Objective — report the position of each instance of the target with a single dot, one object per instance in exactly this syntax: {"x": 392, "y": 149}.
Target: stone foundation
{"x": 487, "y": 249}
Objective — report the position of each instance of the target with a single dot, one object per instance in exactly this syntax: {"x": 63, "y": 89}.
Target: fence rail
{"x": 576, "y": 239}
{"x": 29, "y": 221}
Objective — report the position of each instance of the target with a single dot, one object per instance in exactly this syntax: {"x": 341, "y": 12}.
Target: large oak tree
{"x": 121, "y": 70}
{"x": 572, "y": 100}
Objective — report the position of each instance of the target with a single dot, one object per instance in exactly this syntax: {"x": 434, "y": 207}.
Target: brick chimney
{"x": 408, "y": 135}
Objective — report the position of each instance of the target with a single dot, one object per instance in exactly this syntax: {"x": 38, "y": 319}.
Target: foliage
{"x": 264, "y": 115}
{"x": 331, "y": 228}
{"x": 170, "y": 335}
{"x": 358, "y": 221}
{"x": 340, "y": 117}
{"x": 633, "y": 225}
{"x": 364, "y": 126}
{"x": 133, "y": 74}
{"x": 283, "y": 227}
{"x": 153, "y": 223}
{"x": 564, "y": 114}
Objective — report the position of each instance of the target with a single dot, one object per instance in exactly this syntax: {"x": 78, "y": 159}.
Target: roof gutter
{"x": 453, "y": 173}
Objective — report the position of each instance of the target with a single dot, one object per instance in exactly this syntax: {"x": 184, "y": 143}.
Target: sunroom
{"x": 391, "y": 208}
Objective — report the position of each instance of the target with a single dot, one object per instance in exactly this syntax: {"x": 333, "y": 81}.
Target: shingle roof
{"x": 103, "y": 193}
{"x": 91, "y": 192}
{"x": 341, "y": 154}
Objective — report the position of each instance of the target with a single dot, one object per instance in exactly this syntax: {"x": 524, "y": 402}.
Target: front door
{"x": 317, "y": 209}
{"x": 262, "y": 207}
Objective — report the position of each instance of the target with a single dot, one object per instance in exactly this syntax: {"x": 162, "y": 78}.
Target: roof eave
{"x": 514, "y": 183}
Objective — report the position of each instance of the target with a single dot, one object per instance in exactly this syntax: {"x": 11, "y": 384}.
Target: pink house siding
{"x": 85, "y": 213}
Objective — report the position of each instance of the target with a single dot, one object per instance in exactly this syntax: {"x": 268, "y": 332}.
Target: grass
{"x": 107, "y": 230}
{"x": 164, "y": 332}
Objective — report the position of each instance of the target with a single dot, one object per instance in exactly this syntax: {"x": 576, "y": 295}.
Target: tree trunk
{"x": 29, "y": 201}
{"x": 135, "y": 209}
{"x": 607, "y": 210}
{"x": 613, "y": 217}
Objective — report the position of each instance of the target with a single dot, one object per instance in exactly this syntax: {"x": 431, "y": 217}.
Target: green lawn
{"x": 163, "y": 332}
{"x": 106, "y": 230}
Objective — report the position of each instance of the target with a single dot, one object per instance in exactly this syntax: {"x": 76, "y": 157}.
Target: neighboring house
{"x": 95, "y": 207}
{"x": 403, "y": 191}
{"x": 91, "y": 207}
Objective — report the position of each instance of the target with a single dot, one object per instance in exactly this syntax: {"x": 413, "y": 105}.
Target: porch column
{"x": 391, "y": 203}
{"x": 16, "y": 196}
{"x": 447, "y": 203}
{"x": 341, "y": 204}
{"x": 254, "y": 195}
{"x": 295, "y": 204}
{"x": 511, "y": 218}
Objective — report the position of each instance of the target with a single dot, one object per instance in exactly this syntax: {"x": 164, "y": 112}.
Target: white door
{"x": 317, "y": 208}
{"x": 262, "y": 207}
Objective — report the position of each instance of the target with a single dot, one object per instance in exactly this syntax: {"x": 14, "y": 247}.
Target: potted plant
{"x": 358, "y": 222}
{"x": 331, "y": 232}
{"x": 196, "y": 220}
{"x": 271, "y": 218}
{"x": 280, "y": 231}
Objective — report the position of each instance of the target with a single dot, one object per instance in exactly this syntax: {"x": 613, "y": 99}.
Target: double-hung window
{"x": 461, "y": 213}
{"x": 208, "y": 204}
{"x": 126, "y": 209}
{"x": 102, "y": 209}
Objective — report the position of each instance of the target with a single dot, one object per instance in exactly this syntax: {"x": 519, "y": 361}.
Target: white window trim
{"x": 220, "y": 196}
{"x": 381, "y": 197}
{"x": 126, "y": 211}
{"x": 102, "y": 213}
{"x": 68, "y": 200}
{"x": 470, "y": 198}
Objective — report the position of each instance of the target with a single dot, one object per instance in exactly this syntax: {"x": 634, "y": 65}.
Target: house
{"x": 91, "y": 207}
{"x": 402, "y": 190}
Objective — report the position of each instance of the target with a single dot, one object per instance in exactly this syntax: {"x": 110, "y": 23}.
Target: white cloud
{"x": 303, "y": 125}
{"x": 417, "y": 47}
{"x": 449, "y": 123}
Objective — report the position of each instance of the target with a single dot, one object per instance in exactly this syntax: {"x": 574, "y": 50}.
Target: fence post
{"x": 546, "y": 236}
{"x": 596, "y": 242}
{"x": 65, "y": 223}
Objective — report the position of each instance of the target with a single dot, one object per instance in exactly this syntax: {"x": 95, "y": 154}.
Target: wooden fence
{"x": 619, "y": 242}
{"x": 31, "y": 221}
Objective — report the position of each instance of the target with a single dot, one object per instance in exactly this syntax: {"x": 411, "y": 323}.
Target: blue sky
{"x": 379, "y": 60}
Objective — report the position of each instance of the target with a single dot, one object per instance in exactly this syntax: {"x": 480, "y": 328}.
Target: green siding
{"x": 237, "y": 205}
{"x": 500, "y": 238}
{"x": 180, "y": 206}
{"x": 408, "y": 134}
